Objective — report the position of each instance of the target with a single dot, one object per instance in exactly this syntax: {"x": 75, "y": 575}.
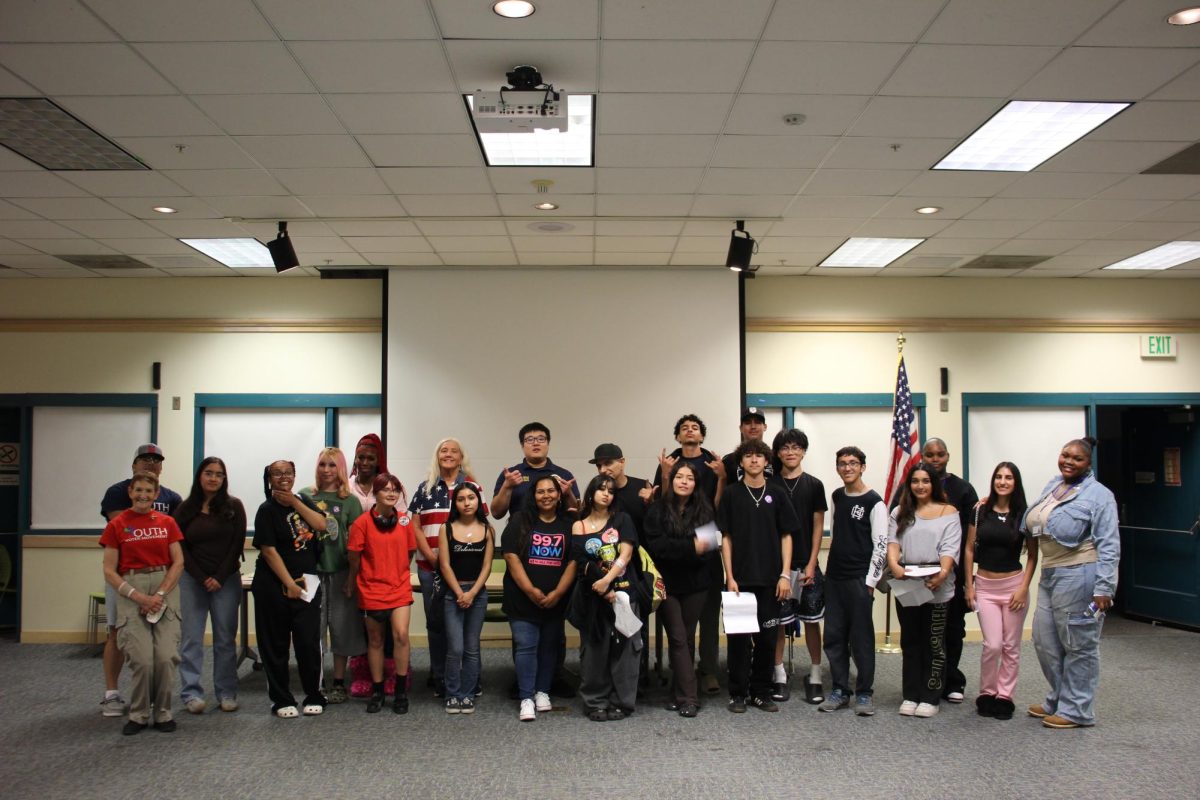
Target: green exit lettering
{"x": 1159, "y": 345}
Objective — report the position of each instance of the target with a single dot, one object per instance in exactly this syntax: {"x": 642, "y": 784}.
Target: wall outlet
{"x": 175, "y": 403}
{"x": 943, "y": 403}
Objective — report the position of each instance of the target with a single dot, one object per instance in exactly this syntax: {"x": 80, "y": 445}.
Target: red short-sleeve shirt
{"x": 141, "y": 540}
{"x": 383, "y": 575}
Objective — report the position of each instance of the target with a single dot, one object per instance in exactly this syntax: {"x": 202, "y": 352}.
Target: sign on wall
{"x": 1159, "y": 345}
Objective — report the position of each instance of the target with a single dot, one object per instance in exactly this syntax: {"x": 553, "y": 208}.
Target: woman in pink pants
{"x": 999, "y": 591}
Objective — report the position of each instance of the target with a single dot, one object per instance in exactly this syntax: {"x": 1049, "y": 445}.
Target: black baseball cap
{"x": 753, "y": 413}
{"x": 606, "y": 452}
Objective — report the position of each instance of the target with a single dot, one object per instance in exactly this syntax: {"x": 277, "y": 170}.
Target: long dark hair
{"x": 1016, "y": 502}
{"x": 455, "y": 516}
{"x": 682, "y": 519}
{"x": 906, "y": 511}
{"x": 528, "y": 515}
{"x": 594, "y": 485}
{"x": 218, "y": 506}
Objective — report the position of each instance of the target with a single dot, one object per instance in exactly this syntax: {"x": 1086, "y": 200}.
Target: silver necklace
{"x": 757, "y": 500}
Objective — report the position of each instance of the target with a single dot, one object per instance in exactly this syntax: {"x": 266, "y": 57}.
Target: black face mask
{"x": 385, "y": 524}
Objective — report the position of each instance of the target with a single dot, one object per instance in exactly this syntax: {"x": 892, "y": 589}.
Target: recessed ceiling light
{"x": 234, "y": 252}
{"x": 164, "y": 209}
{"x": 544, "y": 148}
{"x": 928, "y": 209}
{"x": 869, "y": 252}
{"x": 514, "y": 9}
{"x": 1162, "y": 257}
{"x": 545, "y": 206}
{"x": 1026, "y": 133}
{"x": 1185, "y": 16}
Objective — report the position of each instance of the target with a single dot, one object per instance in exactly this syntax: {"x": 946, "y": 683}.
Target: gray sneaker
{"x": 337, "y": 694}
{"x": 837, "y": 700}
{"x": 114, "y": 707}
{"x": 863, "y": 706}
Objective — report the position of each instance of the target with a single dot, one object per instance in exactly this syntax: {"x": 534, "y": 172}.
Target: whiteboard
{"x": 353, "y": 424}
{"x": 77, "y": 453}
{"x": 831, "y": 429}
{"x": 248, "y": 439}
{"x": 1031, "y": 438}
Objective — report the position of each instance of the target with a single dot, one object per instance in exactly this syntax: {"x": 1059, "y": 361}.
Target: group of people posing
{"x": 334, "y": 560}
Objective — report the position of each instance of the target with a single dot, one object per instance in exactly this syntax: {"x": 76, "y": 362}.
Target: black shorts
{"x": 810, "y": 605}
{"x": 381, "y": 615}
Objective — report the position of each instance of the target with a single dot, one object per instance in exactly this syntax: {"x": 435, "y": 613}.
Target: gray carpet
{"x": 55, "y": 744}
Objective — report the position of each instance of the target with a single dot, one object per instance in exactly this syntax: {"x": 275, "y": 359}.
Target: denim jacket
{"x": 1090, "y": 512}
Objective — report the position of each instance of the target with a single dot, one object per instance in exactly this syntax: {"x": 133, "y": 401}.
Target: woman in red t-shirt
{"x": 380, "y": 548}
{"x": 143, "y": 561}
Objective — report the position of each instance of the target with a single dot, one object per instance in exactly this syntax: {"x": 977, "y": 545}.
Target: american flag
{"x": 904, "y": 442}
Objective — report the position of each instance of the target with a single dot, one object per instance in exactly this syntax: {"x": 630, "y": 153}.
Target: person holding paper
{"x": 381, "y": 546}
{"x": 143, "y": 560}
{"x": 923, "y": 531}
{"x": 757, "y": 522}
{"x": 602, "y": 545}
{"x": 288, "y": 532}
{"x": 673, "y": 538}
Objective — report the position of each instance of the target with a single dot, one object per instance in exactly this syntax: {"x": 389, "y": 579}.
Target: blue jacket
{"x": 1089, "y": 513}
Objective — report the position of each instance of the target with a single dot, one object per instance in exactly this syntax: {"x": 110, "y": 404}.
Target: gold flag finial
{"x": 900, "y": 340}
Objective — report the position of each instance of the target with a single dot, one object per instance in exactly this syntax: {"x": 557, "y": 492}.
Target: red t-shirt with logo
{"x": 141, "y": 540}
{"x": 383, "y": 574}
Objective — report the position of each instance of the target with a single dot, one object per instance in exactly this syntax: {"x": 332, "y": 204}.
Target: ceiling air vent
{"x": 50, "y": 137}
{"x": 1185, "y": 162}
{"x": 1004, "y": 262}
{"x": 104, "y": 262}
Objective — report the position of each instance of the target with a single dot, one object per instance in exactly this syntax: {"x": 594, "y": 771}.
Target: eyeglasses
{"x": 275, "y": 474}
{"x": 209, "y": 474}
{"x": 535, "y": 439}
{"x": 848, "y": 464}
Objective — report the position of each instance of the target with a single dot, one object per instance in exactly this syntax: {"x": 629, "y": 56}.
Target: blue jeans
{"x": 1067, "y": 641}
{"x": 463, "y": 626}
{"x": 196, "y": 605}
{"x": 435, "y": 625}
{"x": 535, "y": 653}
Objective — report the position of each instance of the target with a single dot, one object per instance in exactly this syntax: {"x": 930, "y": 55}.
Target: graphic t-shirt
{"x": 383, "y": 577}
{"x": 545, "y": 556}
{"x": 594, "y": 552}
{"x": 141, "y": 540}
{"x": 431, "y": 506}
{"x": 807, "y": 496}
{"x": 343, "y": 511}
{"x": 296, "y": 542}
{"x": 755, "y": 530}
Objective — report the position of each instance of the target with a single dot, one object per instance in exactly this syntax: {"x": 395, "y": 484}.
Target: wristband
{"x": 161, "y": 594}
{"x": 785, "y": 577}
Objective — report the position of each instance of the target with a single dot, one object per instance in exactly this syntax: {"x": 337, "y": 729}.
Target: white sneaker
{"x": 955, "y": 697}
{"x": 196, "y": 705}
{"x": 113, "y": 707}
{"x": 542, "y": 701}
{"x": 926, "y": 710}
{"x": 908, "y": 708}
{"x": 528, "y": 713}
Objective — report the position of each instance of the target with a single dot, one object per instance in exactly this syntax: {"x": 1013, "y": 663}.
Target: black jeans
{"x": 956, "y": 632}
{"x": 680, "y": 614}
{"x": 283, "y": 624}
{"x": 850, "y": 631}
{"x": 752, "y": 655}
{"x": 923, "y": 643}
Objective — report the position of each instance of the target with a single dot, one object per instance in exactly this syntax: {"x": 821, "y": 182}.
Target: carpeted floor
{"x": 55, "y": 744}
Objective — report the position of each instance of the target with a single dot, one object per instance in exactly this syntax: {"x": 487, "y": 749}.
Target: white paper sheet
{"x": 911, "y": 591}
{"x": 627, "y": 622}
{"x": 739, "y": 612}
{"x": 711, "y": 537}
{"x": 311, "y": 584}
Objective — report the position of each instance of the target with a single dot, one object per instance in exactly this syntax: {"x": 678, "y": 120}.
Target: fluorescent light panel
{"x": 1164, "y": 256}
{"x": 1025, "y": 133}
{"x": 545, "y": 148}
{"x": 865, "y": 252}
{"x": 234, "y": 252}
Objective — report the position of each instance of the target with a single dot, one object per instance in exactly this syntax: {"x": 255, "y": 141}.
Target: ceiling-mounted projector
{"x": 524, "y": 105}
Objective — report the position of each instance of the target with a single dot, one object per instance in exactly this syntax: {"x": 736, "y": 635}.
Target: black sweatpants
{"x": 850, "y": 630}
{"x": 923, "y": 644}
{"x": 282, "y": 624}
{"x": 956, "y": 632}
{"x": 752, "y": 655}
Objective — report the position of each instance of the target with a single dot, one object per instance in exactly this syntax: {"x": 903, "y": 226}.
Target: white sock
{"x": 780, "y": 674}
{"x": 110, "y": 694}
{"x": 814, "y": 674}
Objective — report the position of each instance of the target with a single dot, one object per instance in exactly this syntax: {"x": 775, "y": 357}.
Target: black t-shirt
{"x": 285, "y": 530}
{"x": 998, "y": 545}
{"x": 962, "y": 496}
{"x": 116, "y": 498}
{"x": 706, "y": 479}
{"x": 627, "y": 500}
{"x": 807, "y": 496}
{"x": 545, "y": 557}
{"x": 851, "y": 548}
{"x": 733, "y": 470}
{"x": 594, "y": 552}
{"x": 755, "y": 530}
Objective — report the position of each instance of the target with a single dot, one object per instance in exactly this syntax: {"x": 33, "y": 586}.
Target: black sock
{"x": 377, "y": 688}
{"x": 339, "y": 681}
{"x": 401, "y": 684}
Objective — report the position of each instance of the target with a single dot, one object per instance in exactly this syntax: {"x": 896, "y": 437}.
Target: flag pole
{"x": 888, "y": 645}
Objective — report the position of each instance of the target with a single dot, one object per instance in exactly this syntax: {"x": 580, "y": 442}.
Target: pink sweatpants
{"x": 1001, "y": 634}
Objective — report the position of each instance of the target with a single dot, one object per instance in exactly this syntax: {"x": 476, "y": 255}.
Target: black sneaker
{"x": 813, "y": 693}
{"x": 781, "y": 693}
{"x": 466, "y": 706}
{"x": 400, "y": 703}
{"x": 764, "y": 704}
{"x": 688, "y": 710}
{"x": 133, "y": 728}
{"x": 375, "y": 704}
{"x": 439, "y": 689}
{"x": 166, "y": 727}
{"x": 737, "y": 705}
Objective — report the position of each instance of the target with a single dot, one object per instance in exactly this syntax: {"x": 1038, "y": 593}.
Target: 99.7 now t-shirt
{"x": 545, "y": 557}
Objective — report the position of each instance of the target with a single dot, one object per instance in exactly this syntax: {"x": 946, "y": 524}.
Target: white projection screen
{"x": 596, "y": 355}
{"x": 1029, "y": 437}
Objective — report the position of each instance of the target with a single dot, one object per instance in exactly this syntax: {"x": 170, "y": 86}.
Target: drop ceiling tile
{"x": 482, "y": 64}
{"x": 1037, "y": 272}
{"x": 958, "y": 184}
{"x": 1113, "y": 249}
{"x": 703, "y": 244}
{"x": 52, "y": 21}
{"x": 166, "y": 115}
{"x": 1185, "y": 87}
{"x": 1180, "y": 211}
{"x": 1116, "y": 209}
{"x": 297, "y": 228}
{"x": 721, "y": 229}
{"x": 825, "y": 115}
{"x": 902, "y": 228}
{"x": 812, "y": 227}
{"x": 284, "y": 208}
{"x": 456, "y": 227}
{"x": 662, "y": 113}
{"x": 1108, "y": 73}
{"x": 612, "y": 227}
{"x": 867, "y": 152}
{"x": 569, "y": 205}
{"x": 821, "y": 67}
{"x": 467, "y": 205}
{"x": 401, "y": 113}
{"x": 985, "y": 229}
{"x": 771, "y": 151}
{"x": 470, "y": 244}
{"x": 87, "y": 69}
{"x": 332, "y": 181}
{"x": 650, "y": 180}
{"x": 349, "y": 19}
{"x": 10, "y": 211}
{"x": 403, "y": 259}
{"x": 374, "y": 228}
{"x": 10, "y": 161}
{"x": 200, "y": 228}
{"x": 138, "y": 248}
{"x": 227, "y": 67}
{"x": 32, "y": 261}
{"x": 1073, "y": 263}
{"x": 809, "y": 245}
{"x": 683, "y": 19}
{"x": 740, "y": 206}
{"x": 858, "y": 182}
{"x": 574, "y": 227}
{"x": 898, "y": 271}
{"x": 201, "y": 272}
{"x": 720, "y": 180}
{"x": 843, "y": 272}
{"x": 1139, "y": 22}
{"x": 1035, "y": 247}
{"x": 70, "y": 272}
{"x": 636, "y": 205}
{"x": 373, "y": 66}
{"x": 71, "y": 208}
{"x": 633, "y": 259}
{"x": 226, "y": 181}
{"x": 616, "y": 150}
{"x": 112, "y": 228}
{"x": 465, "y": 19}
{"x": 199, "y": 152}
{"x": 1153, "y": 121}
{"x": 635, "y": 244}
{"x": 851, "y": 20}
{"x": 698, "y": 259}
{"x": 834, "y": 208}
{"x": 671, "y": 66}
{"x": 481, "y": 259}
{"x": 1076, "y": 185}
{"x": 183, "y": 20}
{"x": 436, "y": 180}
{"x": 388, "y": 244}
{"x": 71, "y": 247}
{"x": 378, "y": 205}
{"x": 938, "y": 246}
{"x": 952, "y": 70}
{"x": 555, "y": 259}
{"x": 552, "y": 244}
{"x": 282, "y": 152}
{"x": 1069, "y": 229}
{"x": 1164, "y": 231}
{"x": 422, "y": 150}
{"x": 1031, "y": 22}
{"x": 12, "y": 86}
{"x": 1175, "y": 273}
{"x": 1023, "y": 208}
{"x": 1155, "y": 187}
{"x": 905, "y": 207}
{"x": 120, "y": 183}
{"x": 924, "y": 117}
{"x": 567, "y": 180}
{"x": 185, "y": 208}
{"x": 270, "y": 114}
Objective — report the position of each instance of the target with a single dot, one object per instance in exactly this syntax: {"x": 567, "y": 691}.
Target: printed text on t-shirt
{"x": 546, "y": 549}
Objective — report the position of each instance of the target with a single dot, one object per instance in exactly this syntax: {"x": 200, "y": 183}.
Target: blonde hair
{"x": 435, "y": 470}
{"x": 339, "y": 458}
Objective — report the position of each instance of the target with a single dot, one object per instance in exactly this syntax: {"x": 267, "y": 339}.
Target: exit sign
{"x": 1160, "y": 345}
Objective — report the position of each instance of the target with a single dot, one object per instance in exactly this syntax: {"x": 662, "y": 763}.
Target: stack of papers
{"x": 739, "y": 612}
